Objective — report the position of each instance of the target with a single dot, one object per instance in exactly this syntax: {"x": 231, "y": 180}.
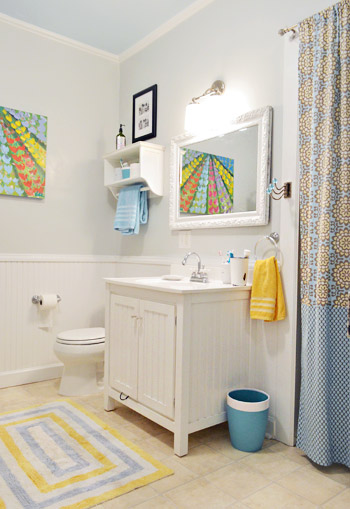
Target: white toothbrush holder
{"x": 239, "y": 271}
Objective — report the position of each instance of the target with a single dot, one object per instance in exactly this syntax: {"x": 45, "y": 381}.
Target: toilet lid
{"x": 84, "y": 336}
{"x": 80, "y": 341}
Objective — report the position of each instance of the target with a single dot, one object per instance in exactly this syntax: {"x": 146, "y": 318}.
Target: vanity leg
{"x": 180, "y": 443}
{"x": 183, "y": 341}
{"x": 109, "y": 403}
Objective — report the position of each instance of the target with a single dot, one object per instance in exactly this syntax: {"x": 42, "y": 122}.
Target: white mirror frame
{"x": 263, "y": 119}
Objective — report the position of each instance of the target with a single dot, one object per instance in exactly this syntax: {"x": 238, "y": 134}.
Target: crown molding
{"x": 143, "y": 43}
{"x": 164, "y": 28}
{"x": 58, "y": 38}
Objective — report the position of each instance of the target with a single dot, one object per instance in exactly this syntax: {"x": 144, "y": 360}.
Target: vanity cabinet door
{"x": 123, "y": 349}
{"x": 156, "y": 372}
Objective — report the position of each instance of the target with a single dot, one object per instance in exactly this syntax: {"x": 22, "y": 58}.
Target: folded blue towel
{"x": 132, "y": 210}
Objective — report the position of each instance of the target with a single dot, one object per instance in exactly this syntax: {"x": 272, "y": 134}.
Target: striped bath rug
{"x": 59, "y": 455}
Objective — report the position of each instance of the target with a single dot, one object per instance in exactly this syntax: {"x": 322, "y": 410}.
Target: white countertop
{"x": 183, "y": 286}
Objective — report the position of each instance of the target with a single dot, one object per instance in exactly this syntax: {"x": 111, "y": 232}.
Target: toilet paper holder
{"x": 37, "y": 299}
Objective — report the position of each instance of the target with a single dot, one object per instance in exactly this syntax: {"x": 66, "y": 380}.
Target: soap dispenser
{"x": 120, "y": 138}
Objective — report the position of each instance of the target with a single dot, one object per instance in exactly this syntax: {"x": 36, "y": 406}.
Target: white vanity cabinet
{"x": 142, "y": 352}
{"x": 173, "y": 350}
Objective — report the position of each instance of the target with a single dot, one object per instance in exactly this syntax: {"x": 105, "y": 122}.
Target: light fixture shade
{"x": 193, "y": 117}
{"x": 208, "y": 114}
{"x": 215, "y": 112}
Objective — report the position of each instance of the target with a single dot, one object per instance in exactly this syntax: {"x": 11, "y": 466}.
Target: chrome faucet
{"x": 200, "y": 276}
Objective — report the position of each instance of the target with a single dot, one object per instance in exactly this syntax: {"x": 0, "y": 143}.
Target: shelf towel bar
{"x": 116, "y": 192}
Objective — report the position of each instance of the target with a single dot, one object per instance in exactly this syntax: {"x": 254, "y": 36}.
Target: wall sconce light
{"x": 203, "y": 111}
{"x": 281, "y": 192}
{"x": 217, "y": 88}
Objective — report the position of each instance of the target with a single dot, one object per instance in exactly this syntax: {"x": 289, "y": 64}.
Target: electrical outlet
{"x": 185, "y": 239}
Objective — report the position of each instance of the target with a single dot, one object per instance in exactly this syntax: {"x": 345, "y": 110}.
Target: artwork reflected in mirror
{"x": 219, "y": 174}
{"x": 207, "y": 183}
{"x": 220, "y": 179}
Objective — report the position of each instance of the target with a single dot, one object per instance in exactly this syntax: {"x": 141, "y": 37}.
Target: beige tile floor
{"x": 213, "y": 475}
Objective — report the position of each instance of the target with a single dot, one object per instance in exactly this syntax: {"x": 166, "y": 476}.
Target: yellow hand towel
{"x": 267, "y": 300}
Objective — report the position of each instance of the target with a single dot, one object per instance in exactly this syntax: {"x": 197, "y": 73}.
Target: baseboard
{"x": 30, "y": 375}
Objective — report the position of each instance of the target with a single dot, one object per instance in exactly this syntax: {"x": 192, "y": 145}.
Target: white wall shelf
{"x": 150, "y": 156}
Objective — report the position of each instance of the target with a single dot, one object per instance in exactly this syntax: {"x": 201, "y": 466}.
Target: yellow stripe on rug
{"x": 37, "y": 479}
{"x": 34, "y": 477}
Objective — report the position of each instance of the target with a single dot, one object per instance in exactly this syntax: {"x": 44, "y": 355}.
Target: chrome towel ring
{"x": 273, "y": 238}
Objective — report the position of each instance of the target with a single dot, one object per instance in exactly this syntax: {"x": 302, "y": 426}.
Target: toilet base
{"x": 79, "y": 380}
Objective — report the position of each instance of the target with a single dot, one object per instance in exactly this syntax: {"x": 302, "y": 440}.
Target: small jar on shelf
{"x": 134, "y": 170}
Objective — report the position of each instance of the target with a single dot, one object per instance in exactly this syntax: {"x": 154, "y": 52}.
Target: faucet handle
{"x": 199, "y": 277}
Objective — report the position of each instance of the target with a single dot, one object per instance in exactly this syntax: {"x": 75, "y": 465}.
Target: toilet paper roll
{"x": 48, "y": 303}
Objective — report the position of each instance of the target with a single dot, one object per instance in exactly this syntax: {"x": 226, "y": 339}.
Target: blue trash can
{"x": 247, "y": 412}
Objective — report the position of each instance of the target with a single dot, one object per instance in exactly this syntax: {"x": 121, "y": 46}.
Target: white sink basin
{"x": 184, "y": 283}
{"x": 160, "y": 280}
{"x": 183, "y": 286}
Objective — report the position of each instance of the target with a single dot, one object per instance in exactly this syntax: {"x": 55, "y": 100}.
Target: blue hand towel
{"x": 131, "y": 210}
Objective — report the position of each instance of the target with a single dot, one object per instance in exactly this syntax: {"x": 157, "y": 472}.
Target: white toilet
{"x": 80, "y": 350}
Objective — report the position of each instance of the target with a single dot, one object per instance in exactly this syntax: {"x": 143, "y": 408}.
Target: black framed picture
{"x": 144, "y": 114}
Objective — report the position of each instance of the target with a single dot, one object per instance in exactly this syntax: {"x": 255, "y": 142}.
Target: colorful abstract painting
{"x": 207, "y": 183}
{"x": 22, "y": 153}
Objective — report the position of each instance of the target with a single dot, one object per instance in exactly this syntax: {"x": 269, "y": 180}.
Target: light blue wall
{"x": 78, "y": 92}
{"x": 230, "y": 40}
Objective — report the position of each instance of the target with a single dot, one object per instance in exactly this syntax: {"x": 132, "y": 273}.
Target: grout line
{"x": 234, "y": 500}
{"x": 270, "y": 483}
{"x": 307, "y": 499}
{"x": 302, "y": 496}
{"x": 157, "y": 495}
{"x": 334, "y": 496}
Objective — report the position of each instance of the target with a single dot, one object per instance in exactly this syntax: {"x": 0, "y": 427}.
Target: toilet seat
{"x": 91, "y": 336}
{"x": 80, "y": 342}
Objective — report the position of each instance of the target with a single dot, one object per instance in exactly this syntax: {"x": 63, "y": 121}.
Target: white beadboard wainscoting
{"x": 26, "y": 351}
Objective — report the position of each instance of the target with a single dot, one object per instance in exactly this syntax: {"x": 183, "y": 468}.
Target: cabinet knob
{"x": 136, "y": 317}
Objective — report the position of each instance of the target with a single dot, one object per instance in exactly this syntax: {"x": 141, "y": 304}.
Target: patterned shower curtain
{"x": 324, "y": 143}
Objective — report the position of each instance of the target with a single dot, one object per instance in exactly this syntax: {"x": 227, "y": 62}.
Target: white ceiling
{"x": 109, "y": 25}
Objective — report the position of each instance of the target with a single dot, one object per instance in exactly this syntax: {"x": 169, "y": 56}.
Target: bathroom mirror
{"x": 219, "y": 179}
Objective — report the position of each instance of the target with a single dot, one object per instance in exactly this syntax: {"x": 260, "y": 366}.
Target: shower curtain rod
{"x": 283, "y": 31}
{"x": 293, "y": 28}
